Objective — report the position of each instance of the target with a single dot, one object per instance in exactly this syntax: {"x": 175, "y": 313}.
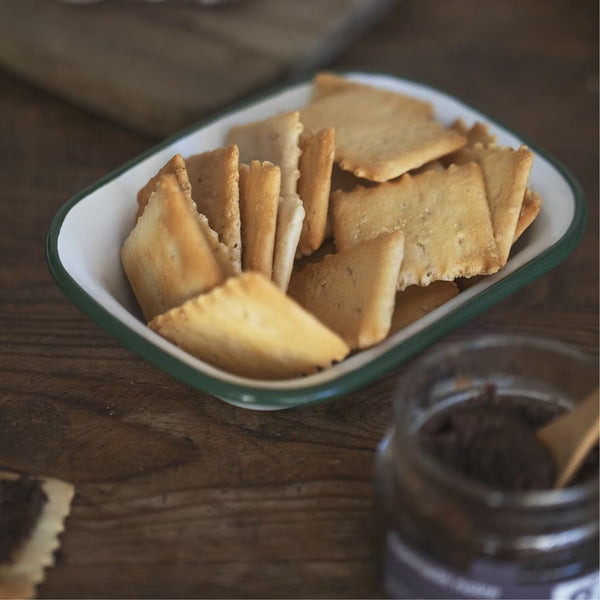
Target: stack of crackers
{"x": 319, "y": 232}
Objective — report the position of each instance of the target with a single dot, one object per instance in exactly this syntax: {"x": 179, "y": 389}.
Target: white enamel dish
{"x": 87, "y": 232}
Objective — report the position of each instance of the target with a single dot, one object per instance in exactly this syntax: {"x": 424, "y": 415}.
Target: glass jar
{"x": 442, "y": 535}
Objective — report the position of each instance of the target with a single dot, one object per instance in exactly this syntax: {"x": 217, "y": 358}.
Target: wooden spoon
{"x": 570, "y": 437}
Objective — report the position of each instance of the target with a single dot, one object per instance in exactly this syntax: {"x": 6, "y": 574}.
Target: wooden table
{"x": 180, "y": 494}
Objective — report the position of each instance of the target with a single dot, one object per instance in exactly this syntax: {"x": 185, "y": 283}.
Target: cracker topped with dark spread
{"x": 32, "y": 515}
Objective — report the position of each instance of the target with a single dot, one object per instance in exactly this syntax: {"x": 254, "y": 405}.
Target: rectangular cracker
{"x": 353, "y": 292}
{"x": 20, "y": 577}
{"x": 444, "y": 216}
{"x": 249, "y": 327}
{"x": 214, "y": 189}
{"x": 274, "y": 140}
{"x": 316, "y": 163}
{"x": 506, "y": 173}
{"x": 166, "y": 257}
{"x": 290, "y": 217}
{"x": 259, "y": 197}
{"x": 532, "y": 203}
{"x": 377, "y": 136}
{"x": 416, "y": 301}
{"x": 327, "y": 84}
{"x": 174, "y": 166}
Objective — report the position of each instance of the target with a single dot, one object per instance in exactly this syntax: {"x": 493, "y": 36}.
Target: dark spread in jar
{"x": 491, "y": 440}
{"x": 21, "y": 503}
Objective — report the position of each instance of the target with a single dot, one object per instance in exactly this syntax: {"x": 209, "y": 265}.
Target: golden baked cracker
{"x": 377, "y": 137}
{"x": 249, "y": 327}
{"x": 20, "y": 577}
{"x": 434, "y": 165}
{"x": 444, "y": 216}
{"x": 478, "y": 133}
{"x": 327, "y": 84}
{"x": 346, "y": 181}
{"x": 353, "y": 292}
{"x": 316, "y": 162}
{"x": 532, "y": 203}
{"x": 166, "y": 257}
{"x": 259, "y": 198}
{"x": 175, "y": 166}
{"x": 214, "y": 177}
{"x": 506, "y": 173}
{"x": 290, "y": 217}
{"x": 416, "y": 301}
{"x": 275, "y": 140}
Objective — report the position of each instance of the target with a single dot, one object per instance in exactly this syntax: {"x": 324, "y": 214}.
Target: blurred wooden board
{"x": 159, "y": 67}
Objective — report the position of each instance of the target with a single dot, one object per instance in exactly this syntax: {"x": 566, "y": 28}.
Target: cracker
{"x": 274, "y": 140}
{"x": 175, "y": 166}
{"x": 20, "y": 577}
{"x": 506, "y": 173}
{"x": 166, "y": 257}
{"x": 377, "y": 136}
{"x": 251, "y": 328}
{"x": 214, "y": 189}
{"x": 444, "y": 216}
{"x": 327, "y": 84}
{"x": 434, "y": 165}
{"x": 416, "y": 301}
{"x": 290, "y": 217}
{"x": 478, "y": 133}
{"x": 316, "y": 162}
{"x": 259, "y": 198}
{"x": 353, "y": 292}
{"x": 532, "y": 203}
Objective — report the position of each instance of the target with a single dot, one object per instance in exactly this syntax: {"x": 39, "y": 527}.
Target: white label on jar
{"x": 410, "y": 572}
{"x": 582, "y": 588}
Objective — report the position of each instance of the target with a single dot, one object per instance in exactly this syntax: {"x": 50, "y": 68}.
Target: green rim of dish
{"x": 270, "y": 398}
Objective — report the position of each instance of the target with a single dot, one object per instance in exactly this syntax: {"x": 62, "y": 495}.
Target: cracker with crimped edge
{"x": 444, "y": 216}
{"x": 316, "y": 163}
{"x": 260, "y": 185}
{"x": 214, "y": 178}
{"x": 174, "y": 166}
{"x": 20, "y": 577}
{"x": 478, "y": 133}
{"x": 275, "y": 140}
{"x": 532, "y": 203}
{"x": 327, "y": 84}
{"x": 290, "y": 216}
{"x": 416, "y": 301}
{"x": 249, "y": 327}
{"x": 376, "y": 138}
{"x": 506, "y": 173}
{"x": 353, "y": 291}
{"x": 166, "y": 257}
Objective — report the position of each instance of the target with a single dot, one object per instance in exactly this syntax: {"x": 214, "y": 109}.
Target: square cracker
{"x": 174, "y": 166}
{"x": 259, "y": 198}
{"x": 214, "y": 188}
{"x": 532, "y": 203}
{"x": 20, "y": 577}
{"x": 506, "y": 173}
{"x": 327, "y": 84}
{"x": 377, "y": 137}
{"x": 166, "y": 257}
{"x": 353, "y": 292}
{"x": 251, "y": 328}
{"x": 444, "y": 216}
{"x": 416, "y": 301}
{"x": 316, "y": 163}
{"x": 290, "y": 216}
{"x": 274, "y": 140}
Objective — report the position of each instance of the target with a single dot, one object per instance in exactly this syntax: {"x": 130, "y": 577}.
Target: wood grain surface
{"x": 180, "y": 494}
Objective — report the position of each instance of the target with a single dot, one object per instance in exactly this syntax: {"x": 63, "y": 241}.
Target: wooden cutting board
{"x": 158, "y": 67}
